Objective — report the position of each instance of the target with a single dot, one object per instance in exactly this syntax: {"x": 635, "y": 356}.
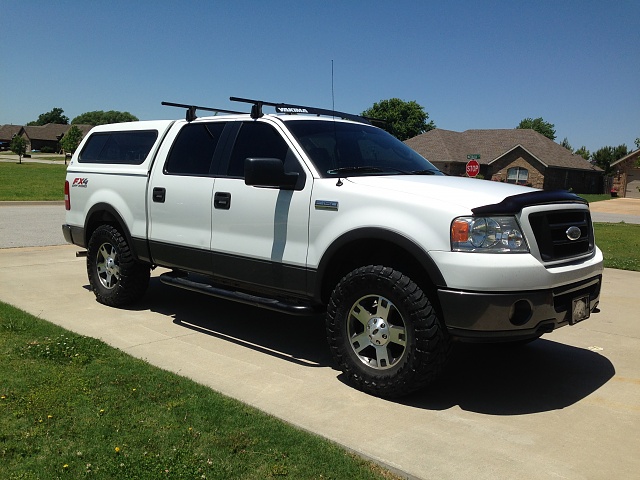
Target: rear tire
{"x": 115, "y": 276}
{"x": 384, "y": 333}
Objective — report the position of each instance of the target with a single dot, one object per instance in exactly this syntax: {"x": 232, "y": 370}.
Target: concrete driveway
{"x": 616, "y": 210}
{"x": 566, "y": 406}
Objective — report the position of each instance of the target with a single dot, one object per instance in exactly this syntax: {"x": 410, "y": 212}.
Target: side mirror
{"x": 268, "y": 172}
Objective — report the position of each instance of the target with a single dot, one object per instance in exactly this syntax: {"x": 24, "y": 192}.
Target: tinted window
{"x": 130, "y": 147}
{"x": 339, "y": 145}
{"x": 193, "y": 150}
{"x": 256, "y": 140}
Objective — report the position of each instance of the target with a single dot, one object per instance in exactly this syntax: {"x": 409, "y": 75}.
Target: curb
{"x": 20, "y": 203}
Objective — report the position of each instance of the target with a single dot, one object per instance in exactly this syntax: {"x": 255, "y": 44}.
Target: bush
{"x": 47, "y": 149}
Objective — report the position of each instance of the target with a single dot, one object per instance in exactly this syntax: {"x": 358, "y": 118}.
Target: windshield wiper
{"x": 372, "y": 169}
{"x": 363, "y": 169}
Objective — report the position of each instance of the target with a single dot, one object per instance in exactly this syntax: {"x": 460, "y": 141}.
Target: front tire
{"x": 384, "y": 333}
{"x": 116, "y": 277}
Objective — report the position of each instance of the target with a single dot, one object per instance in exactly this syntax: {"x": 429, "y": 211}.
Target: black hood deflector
{"x": 515, "y": 203}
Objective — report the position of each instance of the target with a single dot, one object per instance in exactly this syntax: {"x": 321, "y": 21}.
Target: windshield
{"x": 340, "y": 149}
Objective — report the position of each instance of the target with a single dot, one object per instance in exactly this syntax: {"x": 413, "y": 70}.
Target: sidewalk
{"x": 13, "y": 158}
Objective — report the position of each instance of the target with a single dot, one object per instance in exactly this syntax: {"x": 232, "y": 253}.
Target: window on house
{"x": 518, "y": 175}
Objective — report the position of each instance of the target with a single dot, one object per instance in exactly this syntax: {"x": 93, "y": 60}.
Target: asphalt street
{"x": 565, "y": 406}
{"x": 31, "y": 224}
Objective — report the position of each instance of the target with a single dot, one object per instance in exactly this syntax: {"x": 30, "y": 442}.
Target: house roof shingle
{"x": 8, "y": 131}
{"x": 448, "y": 146}
{"x": 50, "y": 131}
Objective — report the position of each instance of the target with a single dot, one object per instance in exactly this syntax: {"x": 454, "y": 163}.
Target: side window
{"x": 256, "y": 140}
{"x": 126, "y": 147}
{"x": 193, "y": 149}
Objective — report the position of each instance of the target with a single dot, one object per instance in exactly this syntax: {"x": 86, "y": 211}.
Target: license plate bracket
{"x": 580, "y": 309}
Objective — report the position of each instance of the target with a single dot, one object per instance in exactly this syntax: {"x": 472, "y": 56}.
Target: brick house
{"x": 39, "y": 137}
{"x": 44, "y": 137}
{"x": 510, "y": 155}
{"x": 626, "y": 176}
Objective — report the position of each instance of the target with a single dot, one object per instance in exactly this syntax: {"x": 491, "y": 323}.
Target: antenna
{"x": 333, "y": 97}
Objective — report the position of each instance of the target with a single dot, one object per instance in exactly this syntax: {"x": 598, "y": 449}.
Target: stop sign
{"x": 473, "y": 168}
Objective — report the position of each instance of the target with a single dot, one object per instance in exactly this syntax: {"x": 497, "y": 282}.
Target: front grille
{"x": 550, "y": 230}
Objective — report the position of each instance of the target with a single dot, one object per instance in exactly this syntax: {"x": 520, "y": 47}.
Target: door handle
{"x": 222, "y": 200}
{"x": 159, "y": 194}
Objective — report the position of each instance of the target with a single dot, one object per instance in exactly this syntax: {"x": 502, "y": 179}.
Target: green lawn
{"x": 620, "y": 245}
{"x": 592, "y": 197}
{"x": 73, "y": 407}
{"x": 32, "y": 181}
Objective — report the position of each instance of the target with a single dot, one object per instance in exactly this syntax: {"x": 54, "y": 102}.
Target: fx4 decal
{"x": 80, "y": 182}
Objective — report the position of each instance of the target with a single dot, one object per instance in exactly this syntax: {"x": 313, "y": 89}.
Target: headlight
{"x": 487, "y": 235}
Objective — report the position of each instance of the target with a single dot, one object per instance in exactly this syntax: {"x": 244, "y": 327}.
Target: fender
{"x": 106, "y": 213}
{"x": 364, "y": 234}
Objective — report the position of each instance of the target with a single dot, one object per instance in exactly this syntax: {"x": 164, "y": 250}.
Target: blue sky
{"x": 475, "y": 64}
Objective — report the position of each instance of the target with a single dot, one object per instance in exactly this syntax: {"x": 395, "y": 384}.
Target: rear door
{"x": 180, "y": 196}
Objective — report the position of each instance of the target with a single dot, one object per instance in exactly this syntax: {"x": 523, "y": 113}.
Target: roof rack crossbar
{"x": 256, "y": 110}
{"x": 191, "y": 110}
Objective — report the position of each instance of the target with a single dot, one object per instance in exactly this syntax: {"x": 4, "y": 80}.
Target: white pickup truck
{"x": 324, "y": 212}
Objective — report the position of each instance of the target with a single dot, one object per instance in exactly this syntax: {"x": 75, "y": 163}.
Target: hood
{"x": 465, "y": 192}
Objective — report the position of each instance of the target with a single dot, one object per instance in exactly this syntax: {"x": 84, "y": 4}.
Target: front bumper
{"x": 512, "y": 315}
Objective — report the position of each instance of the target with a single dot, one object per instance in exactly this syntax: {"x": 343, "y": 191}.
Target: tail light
{"x": 67, "y": 199}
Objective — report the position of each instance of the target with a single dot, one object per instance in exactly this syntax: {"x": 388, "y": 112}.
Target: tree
{"x": 565, "y": 143}
{"x": 54, "y": 116}
{"x": 99, "y": 117}
{"x": 583, "y": 152}
{"x": 71, "y": 139}
{"x": 539, "y": 125}
{"x": 403, "y": 119}
{"x": 18, "y": 146}
{"x": 607, "y": 155}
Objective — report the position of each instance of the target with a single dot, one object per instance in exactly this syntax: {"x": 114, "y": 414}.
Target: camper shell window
{"x": 128, "y": 148}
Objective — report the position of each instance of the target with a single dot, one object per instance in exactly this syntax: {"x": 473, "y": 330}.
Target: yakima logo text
{"x": 293, "y": 110}
{"x": 80, "y": 182}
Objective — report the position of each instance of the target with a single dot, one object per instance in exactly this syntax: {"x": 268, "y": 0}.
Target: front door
{"x": 260, "y": 235}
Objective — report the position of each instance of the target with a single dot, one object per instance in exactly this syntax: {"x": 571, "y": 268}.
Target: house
{"x": 626, "y": 176}
{"x": 40, "y": 138}
{"x": 7, "y": 132}
{"x": 510, "y": 155}
{"x": 44, "y": 138}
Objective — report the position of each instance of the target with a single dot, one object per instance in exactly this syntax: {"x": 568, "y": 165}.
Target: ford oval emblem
{"x": 573, "y": 233}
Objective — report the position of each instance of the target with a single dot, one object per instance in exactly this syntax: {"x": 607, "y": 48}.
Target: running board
{"x": 246, "y": 298}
